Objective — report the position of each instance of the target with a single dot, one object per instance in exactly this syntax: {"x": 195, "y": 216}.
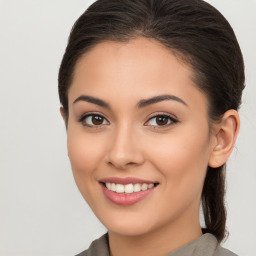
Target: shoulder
{"x": 206, "y": 245}
{"x": 209, "y": 245}
{"x": 98, "y": 247}
{"x": 220, "y": 251}
{"x": 212, "y": 246}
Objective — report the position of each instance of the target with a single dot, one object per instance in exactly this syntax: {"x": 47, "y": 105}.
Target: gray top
{"x": 206, "y": 245}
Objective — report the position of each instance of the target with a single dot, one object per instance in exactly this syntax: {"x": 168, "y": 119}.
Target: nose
{"x": 125, "y": 149}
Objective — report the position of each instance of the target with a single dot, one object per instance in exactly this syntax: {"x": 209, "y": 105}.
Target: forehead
{"x": 140, "y": 67}
{"x": 143, "y": 52}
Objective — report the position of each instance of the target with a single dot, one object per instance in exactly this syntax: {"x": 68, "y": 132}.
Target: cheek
{"x": 85, "y": 153}
{"x": 182, "y": 159}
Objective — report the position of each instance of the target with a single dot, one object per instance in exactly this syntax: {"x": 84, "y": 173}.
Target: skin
{"x": 130, "y": 143}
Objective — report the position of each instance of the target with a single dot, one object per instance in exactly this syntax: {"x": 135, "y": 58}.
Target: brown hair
{"x": 193, "y": 30}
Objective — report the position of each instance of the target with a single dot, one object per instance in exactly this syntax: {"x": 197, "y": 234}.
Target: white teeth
{"x": 113, "y": 187}
{"x": 108, "y": 185}
{"x": 119, "y": 188}
{"x": 128, "y": 188}
{"x": 144, "y": 186}
{"x": 151, "y": 185}
{"x": 136, "y": 187}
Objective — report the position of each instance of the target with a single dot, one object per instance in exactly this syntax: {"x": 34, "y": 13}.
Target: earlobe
{"x": 225, "y": 136}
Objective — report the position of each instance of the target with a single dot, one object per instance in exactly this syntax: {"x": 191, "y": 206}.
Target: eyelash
{"x": 171, "y": 120}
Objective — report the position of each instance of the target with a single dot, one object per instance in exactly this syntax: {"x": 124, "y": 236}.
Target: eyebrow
{"x": 93, "y": 100}
{"x": 156, "y": 99}
{"x": 142, "y": 103}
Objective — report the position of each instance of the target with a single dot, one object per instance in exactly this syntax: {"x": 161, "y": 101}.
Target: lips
{"x": 127, "y": 191}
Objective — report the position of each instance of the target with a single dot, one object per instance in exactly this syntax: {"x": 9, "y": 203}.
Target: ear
{"x": 63, "y": 114}
{"x": 225, "y": 134}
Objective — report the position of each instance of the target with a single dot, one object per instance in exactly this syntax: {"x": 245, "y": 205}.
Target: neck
{"x": 159, "y": 242}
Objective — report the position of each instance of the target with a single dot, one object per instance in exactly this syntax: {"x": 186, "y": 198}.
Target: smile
{"x": 127, "y": 191}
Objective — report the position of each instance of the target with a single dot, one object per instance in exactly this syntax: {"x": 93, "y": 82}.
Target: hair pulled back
{"x": 196, "y": 33}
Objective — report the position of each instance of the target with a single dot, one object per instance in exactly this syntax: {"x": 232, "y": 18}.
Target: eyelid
{"x": 87, "y": 114}
{"x": 173, "y": 119}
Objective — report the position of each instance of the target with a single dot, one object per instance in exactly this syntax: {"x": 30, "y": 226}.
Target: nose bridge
{"x": 124, "y": 149}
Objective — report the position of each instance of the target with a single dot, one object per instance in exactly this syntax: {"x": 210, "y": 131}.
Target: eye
{"x": 161, "y": 120}
{"x": 93, "y": 120}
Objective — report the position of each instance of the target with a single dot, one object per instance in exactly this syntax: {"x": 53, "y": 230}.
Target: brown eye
{"x": 161, "y": 120}
{"x": 93, "y": 120}
{"x": 97, "y": 120}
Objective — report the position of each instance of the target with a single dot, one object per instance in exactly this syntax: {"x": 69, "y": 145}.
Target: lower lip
{"x": 126, "y": 199}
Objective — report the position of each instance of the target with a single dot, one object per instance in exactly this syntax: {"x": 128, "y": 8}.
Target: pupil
{"x": 161, "y": 120}
{"x": 97, "y": 120}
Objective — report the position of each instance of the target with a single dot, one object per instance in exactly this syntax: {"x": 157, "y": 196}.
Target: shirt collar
{"x": 204, "y": 245}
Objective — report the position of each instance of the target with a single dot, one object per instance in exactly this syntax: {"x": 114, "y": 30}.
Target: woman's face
{"x": 138, "y": 125}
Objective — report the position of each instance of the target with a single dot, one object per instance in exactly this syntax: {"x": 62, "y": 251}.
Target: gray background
{"x": 41, "y": 210}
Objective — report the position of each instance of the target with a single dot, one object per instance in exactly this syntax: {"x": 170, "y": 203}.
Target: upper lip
{"x": 127, "y": 180}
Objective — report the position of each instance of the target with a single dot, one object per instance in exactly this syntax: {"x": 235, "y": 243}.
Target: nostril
{"x": 121, "y": 165}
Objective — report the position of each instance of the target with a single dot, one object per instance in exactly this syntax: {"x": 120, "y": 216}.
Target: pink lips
{"x": 123, "y": 198}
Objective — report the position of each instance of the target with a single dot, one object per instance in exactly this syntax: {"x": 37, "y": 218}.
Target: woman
{"x": 150, "y": 91}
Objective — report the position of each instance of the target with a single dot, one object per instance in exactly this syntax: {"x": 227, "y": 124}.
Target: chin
{"x": 126, "y": 226}
{"x": 131, "y": 230}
